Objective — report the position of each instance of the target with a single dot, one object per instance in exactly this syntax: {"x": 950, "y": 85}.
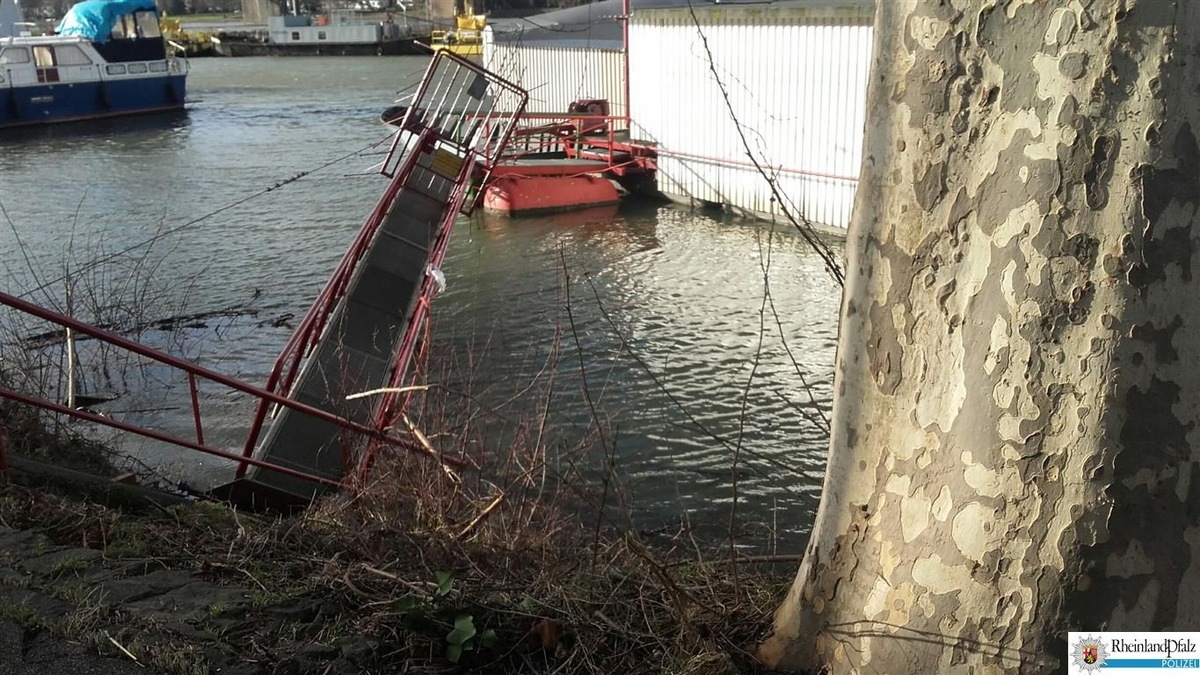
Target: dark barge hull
{"x": 406, "y": 47}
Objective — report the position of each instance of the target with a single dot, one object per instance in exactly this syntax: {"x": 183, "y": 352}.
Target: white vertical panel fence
{"x": 556, "y": 75}
{"x": 795, "y": 78}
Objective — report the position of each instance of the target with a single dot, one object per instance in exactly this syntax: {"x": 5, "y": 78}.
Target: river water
{"x": 692, "y": 366}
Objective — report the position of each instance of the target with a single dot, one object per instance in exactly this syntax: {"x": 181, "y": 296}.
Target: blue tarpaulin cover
{"x": 94, "y": 19}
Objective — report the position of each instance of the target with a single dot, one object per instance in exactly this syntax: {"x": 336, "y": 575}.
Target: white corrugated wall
{"x": 555, "y": 76}
{"x": 796, "y": 80}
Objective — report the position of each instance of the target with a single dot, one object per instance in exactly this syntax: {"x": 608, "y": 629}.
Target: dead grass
{"x": 39, "y": 437}
{"x": 549, "y": 608}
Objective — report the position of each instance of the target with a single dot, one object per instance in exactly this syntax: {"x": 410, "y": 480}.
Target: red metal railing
{"x": 193, "y": 371}
{"x": 601, "y": 138}
{"x": 392, "y": 402}
{"x": 451, "y": 113}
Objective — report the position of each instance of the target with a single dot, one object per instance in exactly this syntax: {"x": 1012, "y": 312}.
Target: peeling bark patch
{"x": 998, "y": 196}
{"x": 1032, "y": 447}
{"x": 1084, "y": 249}
{"x": 848, "y": 550}
{"x": 934, "y": 66}
{"x": 1010, "y": 42}
{"x": 1099, "y": 172}
{"x": 1073, "y": 310}
{"x": 1073, "y": 65}
{"x": 885, "y": 364}
{"x": 1161, "y": 338}
{"x": 883, "y": 349}
{"x": 930, "y": 185}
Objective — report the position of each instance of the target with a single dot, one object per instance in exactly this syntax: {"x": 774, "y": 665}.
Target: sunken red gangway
{"x": 310, "y": 432}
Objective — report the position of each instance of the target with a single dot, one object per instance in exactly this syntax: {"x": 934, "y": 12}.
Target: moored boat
{"x": 108, "y": 58}
{"x": 338, "y": 33}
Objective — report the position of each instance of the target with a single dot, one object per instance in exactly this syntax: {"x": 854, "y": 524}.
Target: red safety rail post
{"x": 196, "y": 408}
{"x": 78, "y": 413}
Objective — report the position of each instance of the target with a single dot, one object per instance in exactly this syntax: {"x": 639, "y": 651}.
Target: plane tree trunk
{"x": 1015, "y": 432}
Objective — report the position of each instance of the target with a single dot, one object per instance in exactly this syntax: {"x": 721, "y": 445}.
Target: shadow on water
{"x": 148, "y": 126}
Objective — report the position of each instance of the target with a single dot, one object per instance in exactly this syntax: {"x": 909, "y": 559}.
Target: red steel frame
{"x": 481, "y": 156}
{"x": 479, "y": 160}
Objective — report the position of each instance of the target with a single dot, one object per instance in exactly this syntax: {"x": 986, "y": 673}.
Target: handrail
{"x": 193, "y": 370}
{"x": 159, "y": 436}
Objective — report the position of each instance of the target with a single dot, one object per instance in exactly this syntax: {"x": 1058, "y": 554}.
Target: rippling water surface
{"x": 692, "y": 366}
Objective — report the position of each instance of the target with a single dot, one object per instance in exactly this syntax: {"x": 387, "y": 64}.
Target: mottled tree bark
{"x": 1018, "y": 375}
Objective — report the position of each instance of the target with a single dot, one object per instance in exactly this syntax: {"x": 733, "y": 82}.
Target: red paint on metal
{"x": 528, "y": 195}
{"x": 531, "y": 167}
{"x": 479, "y": 153}
{"x": 196, "y": 408}
{"x": 404, "y": 151}
{"x": 392, "y": 403}
{"x": 287, "y": 365}
{"x": 583, "y": 133}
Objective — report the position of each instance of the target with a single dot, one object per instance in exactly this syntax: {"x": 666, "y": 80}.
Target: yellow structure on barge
{"x": 466, "y": 38}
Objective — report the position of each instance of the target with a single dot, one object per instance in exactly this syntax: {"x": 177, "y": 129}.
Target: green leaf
{"x": 445, "y": 581}
{"x": 464, "y": 629}
{"x": 454, "y": 653}
{"x": 406, "y": 604}
{"x": 488, "y": 639}
{"x": 526, "y": 604}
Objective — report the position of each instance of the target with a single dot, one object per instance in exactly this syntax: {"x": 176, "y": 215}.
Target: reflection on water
{"x": 663, "y": 315}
